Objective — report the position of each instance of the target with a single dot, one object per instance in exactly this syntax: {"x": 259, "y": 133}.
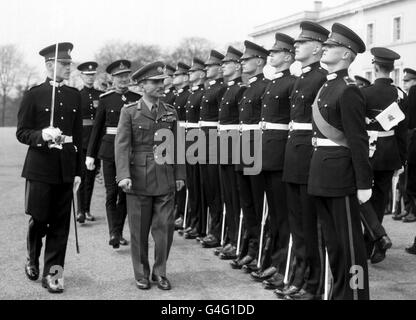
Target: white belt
{"x": 273, "y": 126}
{"x": 224, "y": 127}
{"x": 318, "y": 142}
{"x": 182, "y": 124}
{"x": 247, "y": 127}
{"x": 192, "y": 125}
{"x": 383, "y": 134}
{"x": 67, "y": 139}
{"x": 299, "y": 126}
{"x": 208, "y": 123}
{"x": 87, "y": 122}
{"x": 111, "y": 130}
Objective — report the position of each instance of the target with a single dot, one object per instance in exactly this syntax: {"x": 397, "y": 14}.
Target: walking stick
{"x": 75, "y": 225}
{"x": 395, "y": 181}
{"x": 289, "y": 253}
{"x": 224, "y": 212}
{"x": 263, "y": 222}
{"x": 186, "y": 209}
{"x": 208, "y": 218}
{"x": 240, "y": 227}
{"x": 326, "y": 292}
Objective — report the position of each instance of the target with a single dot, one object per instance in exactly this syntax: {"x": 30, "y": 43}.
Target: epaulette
{"x": 349, "y": 81}
{"x": 242, "y": 85}
{"x": 131, "y": 104}
{"x": 106, "y": 93}
{"x": 35, "y": 86}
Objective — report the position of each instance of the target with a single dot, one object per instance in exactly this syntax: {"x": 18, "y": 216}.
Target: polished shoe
{"x": 81, "y": 217}
{"x": 400, "y": 216}
{"x": 287, "y": 291}
{"x": 200, "y": 237}
{"x": 53, "y": 285}
{"x": 412, "y": 249}
{"x": 32, "y": 270}
{"x": 89, "y": 216}
{"x": 275, "y": 282}
{"x": 191, "y": 235}
{"x": 211, "y": 243}
{"x": 384, "y": 242}
{"x": 220, "y": 250}
{"x": 115, "y": 242}
{"x": 179, "y": 223}
{"x": 123, "y": 242}
{"x": 250, "y": 267}
{"x": 181, "y": 232}
{"x": 239, "y": 263}
{"x": 301, "y": 295}
{"x": 229, "y": 254}
{"x": 411, "y": 217}
{"x": 378, "y": 255}
{"x": 260, "y": 276}
{"x": 143, "y": 284}
{"x": 162, "y": 282}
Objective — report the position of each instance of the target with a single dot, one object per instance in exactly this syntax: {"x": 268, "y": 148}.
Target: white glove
{"x": 179, "y": 185}
{"x": 125, "y": 184}
{"x": 77, "y": 182}
{"x": 398, "y": 172}
{"x": 89, "y": 163}
{"x": 364, "y": 195}
{"x": 50, "y": 134}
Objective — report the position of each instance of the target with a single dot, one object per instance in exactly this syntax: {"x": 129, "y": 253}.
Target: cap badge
{"x": 160, "y": 69}
{"x": 122, "y": 66}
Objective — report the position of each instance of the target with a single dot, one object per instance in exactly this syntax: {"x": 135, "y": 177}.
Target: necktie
{"x": 154, "y": 111}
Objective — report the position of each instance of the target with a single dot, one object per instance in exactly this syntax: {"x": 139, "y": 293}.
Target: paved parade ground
{"x": 99, "y": 272}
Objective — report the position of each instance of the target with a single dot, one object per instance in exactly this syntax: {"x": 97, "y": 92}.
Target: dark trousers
{"x": 411, "y": 187}
{"x": 251, "y": 191}
{"x": 86, "y": 187}
{"x": 342, "y": 231}
{"x": 278, "y": 215}
{"x": 50, "y": 208}
{"x": 232, "y": 201}
{"x": 180, "y": 197}
{"x": 307, "y": 239}
{"x": 115, "y": 202}
{"x": 193, "y": 183}
{"x": 155, "y": 214}
{"x": 211, "y": 192}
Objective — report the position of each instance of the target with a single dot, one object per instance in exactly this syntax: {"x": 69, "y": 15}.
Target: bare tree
{"x": 10, "y": 67}
{"x": 189, "y": 48}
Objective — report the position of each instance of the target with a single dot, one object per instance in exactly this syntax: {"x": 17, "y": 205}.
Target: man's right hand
{"x": 90, "y": 163}
{"x": 50, "y": 134}
{"x": 364, "y": 195}
{"x": 125, "y": 184}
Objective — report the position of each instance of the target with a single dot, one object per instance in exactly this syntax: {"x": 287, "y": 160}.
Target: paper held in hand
{"x": 390, "y": 117}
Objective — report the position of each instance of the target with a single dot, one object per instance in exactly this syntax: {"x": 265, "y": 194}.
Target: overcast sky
{"x": 89, "y": 24}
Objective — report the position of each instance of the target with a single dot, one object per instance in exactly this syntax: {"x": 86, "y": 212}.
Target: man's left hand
{"x": 179, "y": 185}
{"x": 77, "y": 182}
{"x": 398, "y": 172}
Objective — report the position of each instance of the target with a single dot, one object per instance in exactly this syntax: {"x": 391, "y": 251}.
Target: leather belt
{"x": 111, "y": 130}
{"x": 384, "y": 134}
{"x": 208, "y": 123}
{"x": 273, "y": 126}
{"x": 192, "y": 125}
{"x": 319, "y": 142}
{"x": 248, "y": 127}
{"x": 299, "y": 126}
{"x": 87, "y": 122}
{"x": 225, "y": 127}
{"x": 182, "y": 124}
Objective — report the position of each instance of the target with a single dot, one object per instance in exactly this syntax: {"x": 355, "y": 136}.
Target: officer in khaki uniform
{"x": 150, "y": 182}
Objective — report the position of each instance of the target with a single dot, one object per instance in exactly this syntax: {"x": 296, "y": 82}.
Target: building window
{"x": 396, "y": 76}
{"x": 397, "y": 28}
{"x": 370, "y": 34}
{"x": 369, "y": 76}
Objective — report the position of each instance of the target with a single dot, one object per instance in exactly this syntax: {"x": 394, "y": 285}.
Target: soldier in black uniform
{"x": 181, "y": 83}
{"x": 275, "y": 116}
{"x": 101, "y": 145}
{"x": 53, "y": 165}
{"x": 362, "y": 82}
{"x": 390, "y": 154}
{"x": 208, "y": 121}
{"x": 340, "y": 173}
{"x": 196, "y": 220}
{"x": 303, "y": 220}
{"x": 251, "y": 186}
{"x": 169, "y": 96}
{"x": 228, "y": 124}
{"x": 89, "y": 104}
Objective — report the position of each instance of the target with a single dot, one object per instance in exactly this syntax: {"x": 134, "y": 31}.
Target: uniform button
{"x": 61, "y": 104}
{"x": 268, "y": 92}
{"x": 297, "y": 91}
{"x": 140, "y": 127}
{"x": 242, "y": 109}
{"x": 302, "y": 77}
{"x": 206, "y": 100}
{"x": 288, "y": 136}
{"x": 277, "y": 97}
{"x": 293, "y": 105}
{"x": 325, "y": 105}
{"x": 249, "y": 101}
{"x": 219, "y": 109}
{"x": 326, "y": 85}
{"x": 244, "y": 97}
{"x": 156, "y": 134}
{"x": 262, "y": 119}
{"x": 274, "y": 81}
{"x": 59, "y": 91}
{"x": 227, "y": 103}
{"x": 222, "y": 99}
{"x": 303, "y": 97}
{"x": 62, "y": 118}
{"x": 316, "y": 149}
{"x": 319, "y": 99}
{"x": 314, "y": 133}
{"x": 112, "y": 111}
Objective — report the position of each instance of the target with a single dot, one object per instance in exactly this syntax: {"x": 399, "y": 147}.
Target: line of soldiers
{"x": 328, "y": 152}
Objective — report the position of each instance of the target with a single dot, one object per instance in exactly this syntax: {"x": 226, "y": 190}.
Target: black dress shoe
{"x": 259, "y": 276}
{"x": 211, "y": 243}
{"x": 229, "y": 254}
{"x": 81, "y": 217}
{"x": 179, "y": 223}
{"x": 411, "y": 217}
{"x": 251, "y": 267}
{"x": 32, "y": 270}
{"x": 162, "y": 282}
{"x": 301, "y": 295}
{"x": 275, "y": 282}
{"x": 89, "y": 216}
{"x": 378, "y": 255}
{"x": 239, "y": 263}
{"x": 53, "y": 285}
{"x": 411, "y": 250}
{"x": 191, "y": 235}
{"x": 384, "y": 242}
{"x": 123, "y": 242}
{"x": 115, "y": 242}
{"x": 400, "y": 215}
{"x": 143, "y": 284}
{"x": 287, "y": 291}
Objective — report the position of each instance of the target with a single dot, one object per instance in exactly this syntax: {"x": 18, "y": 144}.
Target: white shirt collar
{"x": 57, "y": 84}
{"x": 331, "y": 76}
{"x": 306, "y": 69}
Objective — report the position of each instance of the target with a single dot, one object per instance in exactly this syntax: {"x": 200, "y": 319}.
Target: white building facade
{"x": 380, "y": 23}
